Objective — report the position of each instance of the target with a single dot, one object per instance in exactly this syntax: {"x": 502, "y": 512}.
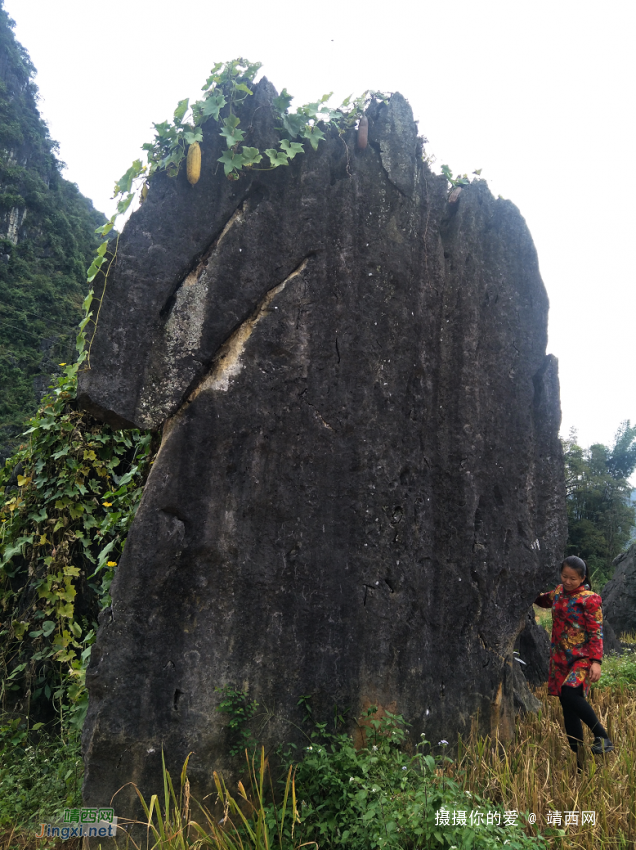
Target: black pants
{"x": 575, "y": 709}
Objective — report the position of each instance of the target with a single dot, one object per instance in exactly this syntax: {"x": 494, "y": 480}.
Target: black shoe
{"x": 602, "y": 746}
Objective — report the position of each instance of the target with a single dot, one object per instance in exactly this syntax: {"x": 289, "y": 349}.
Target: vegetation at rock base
{"x": 601, "y": 517}
{"x": 47, "y": 240}
{"x": 381, "y": 796}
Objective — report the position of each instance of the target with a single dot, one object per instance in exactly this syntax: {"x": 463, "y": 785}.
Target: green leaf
{"x": 123, "y": 205}
{"x": 88, "y": 301}
{"x": 232, "y": 122}
{"x": 232, "y": 137}
{"x": 293, "y": 123}
{"x": 232, "y": 161}
{"x": 214, "y": 76}
{"x": 106, "y": 228}
{"x": 291, "y": 148}
{"x": 48, "y": 627}
{"x": 314, "y": 134}
{"x": 242, "y": 87}
{"x": 94, "y": 268}
{"x": 212, "y": 105}
{"x": 283, "y": 101}
{"x": 277, "y": 157}
{"x": 124, "y": 184}
{"x": 251, "y": 156}
{"x": 181, "y": 110}
{"x": 192, "y": 137}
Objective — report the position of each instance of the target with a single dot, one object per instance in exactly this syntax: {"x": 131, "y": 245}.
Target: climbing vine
{"x": 229, "y": 84}
{"x": 71, "y": 492}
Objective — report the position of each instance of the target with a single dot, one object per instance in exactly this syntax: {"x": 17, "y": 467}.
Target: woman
{"x": 576, "y": 652}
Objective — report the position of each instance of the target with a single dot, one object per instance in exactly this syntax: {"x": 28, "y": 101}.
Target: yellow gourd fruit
{"x": 193, "y": 163}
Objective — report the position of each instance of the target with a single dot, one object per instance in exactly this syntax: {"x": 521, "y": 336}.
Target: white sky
{"x": 540, "y": 95}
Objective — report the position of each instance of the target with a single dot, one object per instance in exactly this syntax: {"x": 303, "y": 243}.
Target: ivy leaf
{"x": 311, "y": 110}
{"x": 212, "y": 105}
{"x": 181, "y": 110}
{"x": 123, "y": 205}
{"x": 124, "y": 184}
{"x": 293, "y": 123}
{"x": 192, "y": 137}
{"x": 291, "y": 148}
{"x": 106, "y": 228}
{"x": 242, "y": 87}
{"x": 283, "y": 101}
{"x": 277, "y": 157}
{"x": 251, "y": 156}
{"x": 48, "y": 627}
{"x": 214, "y": 76}
{"x": 314, "y": 134}
{"x": 231, "y": 161}
{"x": 232, "y": 137}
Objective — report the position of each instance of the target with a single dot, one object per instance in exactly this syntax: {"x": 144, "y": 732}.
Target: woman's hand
{"x": 595, "y": 672}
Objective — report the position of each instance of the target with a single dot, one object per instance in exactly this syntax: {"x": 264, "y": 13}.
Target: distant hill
{"x": 47, "y": 241}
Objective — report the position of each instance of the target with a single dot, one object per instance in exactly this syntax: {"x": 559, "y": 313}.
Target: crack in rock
{"x": 227, "y": 361}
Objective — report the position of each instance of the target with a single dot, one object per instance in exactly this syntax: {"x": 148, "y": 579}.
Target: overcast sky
{"x": 540, "y": 95}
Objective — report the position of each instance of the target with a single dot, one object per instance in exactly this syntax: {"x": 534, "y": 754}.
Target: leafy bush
{"x": 618, "y": 670}
{"x": 381, "y": 796}
{"x": 37, "y": 780}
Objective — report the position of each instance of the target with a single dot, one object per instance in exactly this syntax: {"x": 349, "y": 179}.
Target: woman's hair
{"x": 580, "y": 566}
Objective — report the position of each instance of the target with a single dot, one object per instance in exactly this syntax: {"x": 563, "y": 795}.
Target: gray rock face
{"x": 533, "y": 645}
{"x": 359, "y": 490}
{"x": 619, "y": 594}
{"x": 524, "y": 700}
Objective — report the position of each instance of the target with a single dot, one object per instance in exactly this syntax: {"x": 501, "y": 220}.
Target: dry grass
{"x": 538, "y": 771}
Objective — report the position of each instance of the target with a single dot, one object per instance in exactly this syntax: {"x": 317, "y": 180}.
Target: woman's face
{"x": 570, "y": 578}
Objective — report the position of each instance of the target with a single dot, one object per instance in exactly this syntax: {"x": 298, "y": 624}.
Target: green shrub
{"x": 37, "y": 780}
{"x": 619, "y": 670}
{"x": 381, "y": 796}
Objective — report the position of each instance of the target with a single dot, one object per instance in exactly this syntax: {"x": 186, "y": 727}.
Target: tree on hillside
{"x": 601, "y": 516}
{"x": 47, "y": 241}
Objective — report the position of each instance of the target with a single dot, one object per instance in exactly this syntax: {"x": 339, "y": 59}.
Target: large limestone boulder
{"x": 619, "y": 594}
{"x": 360, "y": 489}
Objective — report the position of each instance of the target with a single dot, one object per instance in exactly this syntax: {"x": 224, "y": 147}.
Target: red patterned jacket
{"x": 577, "y": 635}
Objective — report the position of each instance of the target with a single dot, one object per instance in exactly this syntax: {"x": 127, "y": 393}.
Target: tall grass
{"x": 249, "y": 823}
{"x": 538, "y": 771}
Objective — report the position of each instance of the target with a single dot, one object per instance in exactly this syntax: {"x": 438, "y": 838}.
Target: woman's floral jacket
{"x": 577, "y": 635}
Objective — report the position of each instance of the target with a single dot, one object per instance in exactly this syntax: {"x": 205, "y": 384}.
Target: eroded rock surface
{"x": 619, "y": 594}
{"x": 359, "y": 490}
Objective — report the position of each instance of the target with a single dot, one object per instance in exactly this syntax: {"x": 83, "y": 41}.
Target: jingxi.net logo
{"x": 82, "y": 823}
